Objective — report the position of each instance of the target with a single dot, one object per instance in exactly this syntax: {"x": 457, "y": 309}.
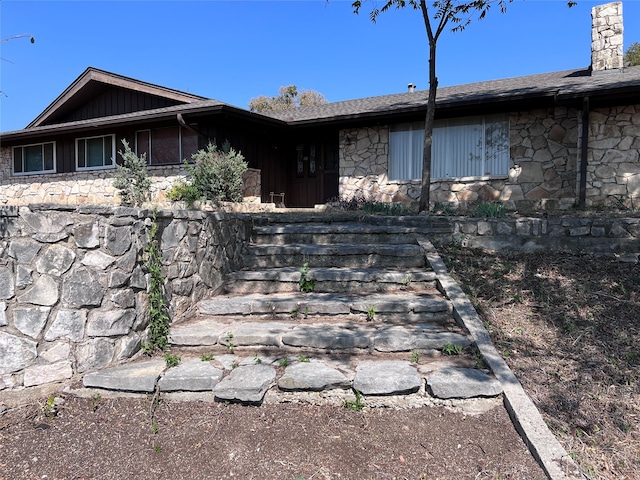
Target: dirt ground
{"x": 96, "y": 438}
{"x": 569, "y": 328}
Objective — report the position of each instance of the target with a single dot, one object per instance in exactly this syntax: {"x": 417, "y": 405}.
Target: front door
{"x": 313, "y": 174}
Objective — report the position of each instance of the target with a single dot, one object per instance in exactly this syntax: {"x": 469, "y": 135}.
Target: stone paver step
{"x": 294, "y": 219}
{"x": 337, "y": 255}
{"x": 324, "y": 304}
{"x": 340, "y": 336}
{"x": 330, "y": 279}
{"x": 335, "y": 233}
{"x": 248, "y": 380}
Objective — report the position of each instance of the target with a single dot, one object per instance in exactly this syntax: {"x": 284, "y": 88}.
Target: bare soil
{"x": 96, "y": 438}
{"x": 569, "y": 328}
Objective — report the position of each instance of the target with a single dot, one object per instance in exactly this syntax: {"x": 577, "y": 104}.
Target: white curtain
{"x": 462, "y": 147}
{"x": 470, "y": 147}
{"x": 405, "y": 151}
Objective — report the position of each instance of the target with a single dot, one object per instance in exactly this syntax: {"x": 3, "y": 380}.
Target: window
{"x": 168, "y": 145}
{"x": 406, "y": 143}
{"x": 462, "y": 147}
{"x": 33, "y": 159}
{"x": 95, "y": 152}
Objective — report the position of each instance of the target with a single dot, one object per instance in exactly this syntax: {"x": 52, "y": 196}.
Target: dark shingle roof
{"x": 558, "y": 86}
{"x": 566, "y": 84}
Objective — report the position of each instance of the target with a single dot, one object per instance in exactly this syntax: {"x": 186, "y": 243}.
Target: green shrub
{"x": 184, "y": 191}
{"x": 131, "y": 179}
{"x": 217, "y": 174}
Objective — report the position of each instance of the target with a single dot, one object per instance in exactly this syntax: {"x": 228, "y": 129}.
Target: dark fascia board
{"x": 91, "y": 75}
{"x": 191, "y": 111}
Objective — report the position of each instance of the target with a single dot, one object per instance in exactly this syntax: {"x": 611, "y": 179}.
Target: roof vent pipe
{"x": 411, "y": 87}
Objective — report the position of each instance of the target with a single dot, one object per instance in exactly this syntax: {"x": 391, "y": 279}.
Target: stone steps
{"x": 247, "y": 379}
{"x": 375, "y": 321}
{"x": 326, "y": 304}
{"x": 291, "y": 335}
{"x": 331, "y": 280}
{"x": 340, "y": 234}
{"x": 338, "y": 255}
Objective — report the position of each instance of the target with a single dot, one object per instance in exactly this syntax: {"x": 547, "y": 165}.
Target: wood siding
{"x": 113, "y": 101}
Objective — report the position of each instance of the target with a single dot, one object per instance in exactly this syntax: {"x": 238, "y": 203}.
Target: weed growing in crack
{"x": 371, "y": 313}
{"x": 479, "y": 361}
{"x": 257, "y": 360}
{"x": 303, "y": 359}
{"x": 230, "y": 346}
{"x": 450, "y": 349}
{"x": 207, "y": 358}
{"x": 355, "y": 405}
{"x": 171, "y": 360}
{"x": 283, "y": 362}
{"x": 415, "y": 356}
{"x": 306, "y": 285}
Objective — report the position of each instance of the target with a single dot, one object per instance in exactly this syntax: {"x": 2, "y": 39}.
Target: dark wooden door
{"x": 313, "y": 173}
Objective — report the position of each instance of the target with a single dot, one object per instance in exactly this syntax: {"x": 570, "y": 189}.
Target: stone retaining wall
{"x": 95, "y": 187}
{"x": 602, "y": 236}
{"x": 73, "y": 283}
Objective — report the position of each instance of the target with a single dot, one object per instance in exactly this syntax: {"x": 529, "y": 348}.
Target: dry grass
{"x": 569, "y": 328}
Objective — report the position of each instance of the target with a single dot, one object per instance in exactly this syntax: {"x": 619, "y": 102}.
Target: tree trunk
{"x": 425, "y": 193}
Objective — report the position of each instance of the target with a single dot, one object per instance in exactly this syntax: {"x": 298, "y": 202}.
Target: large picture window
{"x": 34, "y": 159}
{"x": 95, "y": 152}
{"x": 462, "y": 147}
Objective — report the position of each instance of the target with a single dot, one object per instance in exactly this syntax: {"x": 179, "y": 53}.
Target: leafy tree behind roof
{"x": 632, "y": 55}
{"x": 288, "y": 98}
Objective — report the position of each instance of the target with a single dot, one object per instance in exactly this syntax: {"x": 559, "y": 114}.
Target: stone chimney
{"x": 606, "y": 38}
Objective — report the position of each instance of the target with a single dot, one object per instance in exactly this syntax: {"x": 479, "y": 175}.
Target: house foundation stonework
{"x": 543, "y": 166}
{"x": 613, "y": 172}
{"x": 94, "y": 187}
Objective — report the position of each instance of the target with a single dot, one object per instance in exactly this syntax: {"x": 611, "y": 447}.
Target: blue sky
{"x": 236, "y": 50}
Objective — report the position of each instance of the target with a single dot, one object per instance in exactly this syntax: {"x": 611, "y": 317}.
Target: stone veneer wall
{"x": 94, "y": 187}
{"x": 73, "y": 285}
{"x": 603, "y": 236}
{"x": 542, "y": 172}
{"x": 614, "y": 161}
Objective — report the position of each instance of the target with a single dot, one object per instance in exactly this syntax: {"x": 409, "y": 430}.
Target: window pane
{"x": 33, "y": 158}
{"x": 48, "y": 156}
{"x": 417, "y": 147}
{"x": 457, "y": 148}
{"x": 95, "y": 153}
{"x": 189, "y": 143}
{"x": 81, "y": 154}
{"x": 108, "y": 150}
{"x": 497, "y": 145}
{"x": 405, "y": 151}
{"x": 165, "y": 145}
{"x": 17, "y": 160}
{"x": 143, "y": 140}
